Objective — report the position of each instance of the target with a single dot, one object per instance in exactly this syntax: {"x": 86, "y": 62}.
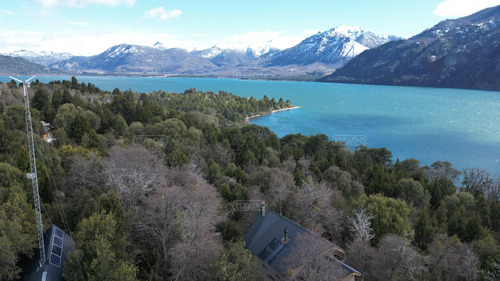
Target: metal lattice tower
{"x": 33, "y": 175}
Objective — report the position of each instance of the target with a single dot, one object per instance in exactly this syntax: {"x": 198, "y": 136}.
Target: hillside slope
{"x": 19, "y": 66}
{"x": 460, "y": 53}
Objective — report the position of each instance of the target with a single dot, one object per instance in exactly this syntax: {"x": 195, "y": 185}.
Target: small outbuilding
{"x": 57, "y": 245}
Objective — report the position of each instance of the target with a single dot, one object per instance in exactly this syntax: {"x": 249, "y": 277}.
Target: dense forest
{"x": 146, "y": 184}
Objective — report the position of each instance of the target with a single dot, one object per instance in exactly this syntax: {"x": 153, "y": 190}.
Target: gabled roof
{"x": 265, "y": 240}
{"x": 57, "y": 245}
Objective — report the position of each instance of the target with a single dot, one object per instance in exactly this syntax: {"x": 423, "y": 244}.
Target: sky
{"x": 89, "y": 27}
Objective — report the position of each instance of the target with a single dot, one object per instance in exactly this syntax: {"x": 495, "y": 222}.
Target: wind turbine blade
{"x": 16, "y": 79}
{"x": 30, "y": 78}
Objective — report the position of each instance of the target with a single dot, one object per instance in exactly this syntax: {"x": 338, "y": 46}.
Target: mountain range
{"x": 317, "y": 55}
{"x": 17, "y": 65}
{"x": 460, "y": 53}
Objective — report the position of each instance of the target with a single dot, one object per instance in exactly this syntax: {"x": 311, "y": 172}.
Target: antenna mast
{"x": 33, "y": 175}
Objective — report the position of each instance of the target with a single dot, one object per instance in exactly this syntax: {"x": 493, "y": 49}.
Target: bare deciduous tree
{"x": 275, "y": 184}
{"x": 158, "y": 225}
{"x": 178, "y": 225}
{"x": 88, "y": 173}
{"x": 396, "y": 259}
{"x": 476, "y": 181}
{"x": 182, "y": 176}
{"x": 360, "y": 225}
{"x": 289, "y": 165}
{"x": 221, "y": 154}
{"x": 361, "y": 256}
{"x": 442, "y": 169}
{"x": 494, "y": 192}
{"x": 312, "y": 201}
{"x": 281, "y": 185}
{"x": 470, "y": 263}
{"x": 448, "y": 259}
{"x": 193, "y": 261}
{"x": 191, "y": 258}
{"x": 134, "y": 173}
{"x": 313, "y": 259}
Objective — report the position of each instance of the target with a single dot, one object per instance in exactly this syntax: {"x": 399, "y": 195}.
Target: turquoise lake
{"x": 428, "y": 124}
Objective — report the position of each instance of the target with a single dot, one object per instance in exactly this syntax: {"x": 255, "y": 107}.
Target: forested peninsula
{"x": 146, "y": 184}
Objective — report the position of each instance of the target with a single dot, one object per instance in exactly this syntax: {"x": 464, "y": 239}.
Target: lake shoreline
{"x": 428, "y": 124}
{"x": 248, "y": 118}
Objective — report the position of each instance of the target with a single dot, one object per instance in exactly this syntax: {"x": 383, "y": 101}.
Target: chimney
{"x": 285, "y": 239}
{"x": 263, "y": 208}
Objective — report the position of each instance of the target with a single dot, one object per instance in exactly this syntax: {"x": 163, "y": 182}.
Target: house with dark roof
{"x": 285, "y": 250}
{"x": 58, "y": 244}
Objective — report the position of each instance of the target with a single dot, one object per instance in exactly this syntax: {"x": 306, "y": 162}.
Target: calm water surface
{"x": 428, "y": 124}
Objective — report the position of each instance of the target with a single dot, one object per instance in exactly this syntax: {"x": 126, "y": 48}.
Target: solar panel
{"x": 56, "y": 250}
{"x": 55, "y": 260}
{"x": 59, "y": 233}
{"x": 58, "y": 241}
{"x": 271, "y": 251}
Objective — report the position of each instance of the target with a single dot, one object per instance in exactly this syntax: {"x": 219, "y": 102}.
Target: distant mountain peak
{"x": 258, "y": 50}
{"x": 458, "y": 53}
{"x": 347, "y": 31}
{"x": 122, "y": 49}
{"x": 43, "y": 58}
{"x": 209, "y": 53}
{"x": 334, "y": 47}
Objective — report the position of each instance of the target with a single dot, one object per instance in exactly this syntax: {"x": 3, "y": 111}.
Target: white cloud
{"x": 6, "y": 12}
{"x": 47, "y": 13}
{"x": 86, "y": 42}
{"x": 13, "y": 40}
{"x": 162, "y": 14}
{"x": 93, "y": 40}
{"x": 460, "y": 8}
{"x": 83, "y": 3}
{"x": 78, "y": 23}
{"x": 260, "y": 39}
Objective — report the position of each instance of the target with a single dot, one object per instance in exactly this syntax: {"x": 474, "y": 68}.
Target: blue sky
{"x": 87, "y": 27}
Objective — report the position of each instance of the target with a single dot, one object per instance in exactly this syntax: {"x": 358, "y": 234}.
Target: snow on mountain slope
{"x": 125, "y": 58}
{"x": 325, "y": 51}
{"x": 457, "y": 53}
{"x": 335, "y": 47}
{"x": 209, "y": 53}
{"x": 42, "y": 58}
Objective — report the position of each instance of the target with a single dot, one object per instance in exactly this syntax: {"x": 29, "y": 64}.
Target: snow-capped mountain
{"x": 209, "y": 53}
{"x": 334, "y": 47}
{"x": 321, "y": 53}
{"x": 42, "y": 58}
{"x": 225, "y": 57}
{"x": 233, "y": 58}
{"x": 125, "y": 58}
{"x": 316, "y": 55}
{"x": 360, "y": 35}
{"x": 251, "y": 52}
{"x": 259, "y": 50}
{"x": 458, "y": 53}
